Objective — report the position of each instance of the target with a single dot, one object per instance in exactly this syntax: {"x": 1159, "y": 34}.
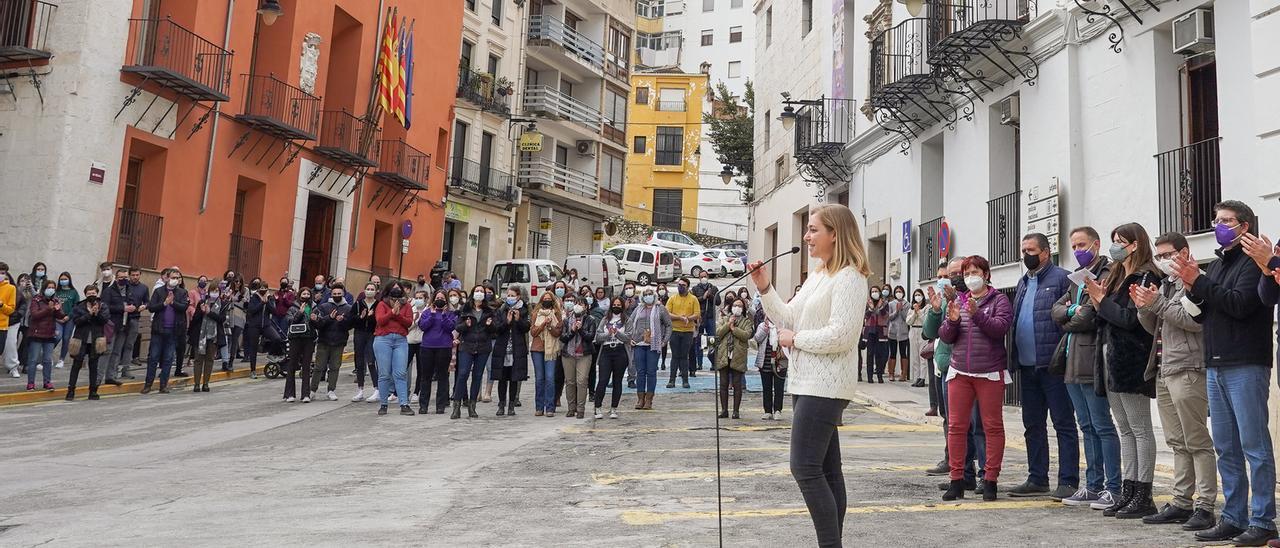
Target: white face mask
{"x": 1165, "y": 265}
{"x": 737, "y": 310}
{"x": 918, "y": 299}
{"x": 214, "y": 295}
{"x": 578, "y": 309}
{"x": 453, "y": 300}
{"x": 369, "y": 293}
{"x": 478, "y": 296}
{"x": 875, "y": 295}
{"x": 899, "y": 295}
{"x": 173, "y": 282}
{"x": 629, "y": 292}
{"x": 107, "y": 274}
{"x": 975, "y": 283}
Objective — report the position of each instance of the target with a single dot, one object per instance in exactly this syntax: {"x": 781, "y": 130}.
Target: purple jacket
{"x": 977, "y": 342}
{"x": 437, "y": 328}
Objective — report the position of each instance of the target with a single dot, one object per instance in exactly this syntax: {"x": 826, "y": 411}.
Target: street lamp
{"x": 726, "y": 175}
{"x": 913, "y": 6}
{"x": 788, "y": 117}
{"x": 270, "y": 11}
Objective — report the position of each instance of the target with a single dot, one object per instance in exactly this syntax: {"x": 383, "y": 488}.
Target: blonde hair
{"x": 848, "y": 249}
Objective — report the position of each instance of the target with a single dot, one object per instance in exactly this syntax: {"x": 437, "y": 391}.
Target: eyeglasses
{"x": 1163, "y": 256}
{"x": 1229, "y": 223}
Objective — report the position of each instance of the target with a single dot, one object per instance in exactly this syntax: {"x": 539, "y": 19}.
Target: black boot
{"x": 988, "y": 491}
{"x": 457, "y": 410}
{"x": 1168, "y": 514}
{"x": 71, "y": 394}
{"x": 1140, "y": 505}
{"x": 511, "y": 410}
{"x": 955, "y": 491}
{"x": 471, "y": 410}
{"x": 1126, "y": 495}
{"x": 502, "y": 408}
{"x": 1200, "y": 520}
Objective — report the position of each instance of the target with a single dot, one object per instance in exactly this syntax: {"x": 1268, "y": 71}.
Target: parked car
{"x": 703, "y": 260}
{"x": 672, "y": 240}
{"x": 731, "y": 263}
{"x": 597, "y": 270}
{"x": 734, "y": 246}
{"x": 530, "y": 275}
{"x": 645, "y": 264}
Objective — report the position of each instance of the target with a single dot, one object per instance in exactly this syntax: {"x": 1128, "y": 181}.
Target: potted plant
{"x": 503, "y": 85}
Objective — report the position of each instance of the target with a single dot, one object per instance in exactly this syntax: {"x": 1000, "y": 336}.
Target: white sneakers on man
{"x": 290, "y": 399}
{"x": 767, "y": 417}
{"x": 613, "y": 413}
{"x": 332, "y": 396}
{"x": 14, "y": 373}
{"x": 59, "y": 366}
{"x": 373, "y": 397}
{"x": 413, "y": 399}
{"x": 359, "y": 395}
{"x": 306, "y": 399}
{"x": 599, "y": 414}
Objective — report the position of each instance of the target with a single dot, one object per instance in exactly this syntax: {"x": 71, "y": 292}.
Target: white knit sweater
{"x": 827, "y": 318}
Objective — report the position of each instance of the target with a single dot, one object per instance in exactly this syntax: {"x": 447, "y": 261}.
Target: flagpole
{"x": 366, "y": 140}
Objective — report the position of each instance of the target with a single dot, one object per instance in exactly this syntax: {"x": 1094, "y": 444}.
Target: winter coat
{"x": 1051, "y": 284}
{"x": 89, "y": 326}
{"x": 365, "y": 324}
{"x": 114, "y": 298}
{"x": 708, "y": 298}
{"x": 333, "y": 331}
{"x": 43, "y": 316}
{"x": 778, "y": 360}
{"x": 437, "y": 327}
{"x": 636, "y": 328}
{"x": 545, "y": 328}
{"x": 217, "y": 315}
{"x": 898, "y": 328}
{"x": 257, "y": 311}
{"x": 1181, "y": 336}
{"x": 299, "y": 314}
{"x": 1126, "y": 346}
{"x": 476, "y": 329}
{"x": 977, "y": 341}
{"x": 236, "y": 314}
{"x": 517, "y": 333}
{"x": 8, "y": 302}
{"x": 1270, "y": 294}
{"x": 1074, "y": 312}
{"x": 577, "y": 342}
{"x": 877, "y": 321}
{"x": 732, "y": 339}
{"x": 181, "y": 301}
{"x": 1237, "y": 325}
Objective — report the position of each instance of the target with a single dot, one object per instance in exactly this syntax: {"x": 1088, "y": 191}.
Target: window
{"x": 615, "y": 108}
{"x": 670, "y": 146}
{"x": 707, "y": 37}
{"x": 619, "y": 46}
{"x": 671, "y": 100}
{"x": 668, "y": 206}
{"x": 767, "y": 117}
{"x": 639, "y": 144}
{"x": 646, "y": 257}
{"x": 806, "y": 17}
{"x": 768, "y": 27}
{"x": 471, "y": 5}
{"x": 780, "y": 169}
{"x": 651, "y": 9}
{"x": 735, "y": 69}
{"x": 735, "y": 4}
{"x": 633, "y": 255}
{"x": 496, "y": 13}
{"x": 465, "y": 61}
{"x": 494, "y": 60}
{"x": 614, "y": 171}
{"x": 735, "y": 35}
{"x": 708, "y": 5}
{"x": 642, "y": 96}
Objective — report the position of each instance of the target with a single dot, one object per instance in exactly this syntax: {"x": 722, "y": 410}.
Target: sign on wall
{"x": 530, "y": 141}
{"x": 1042, "y": 212}
{"x": 457, "y": 212}
{"x": 97, "y": 173}
{"x": 906, "y": 236}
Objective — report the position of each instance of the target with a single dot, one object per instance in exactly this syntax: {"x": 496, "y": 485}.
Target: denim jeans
{"x": 1101, "y": 444}
{"x": 645, "y": 360}
{"x": 1238, "y": 420}
{"x": 469, "y": 366}
{"x": 544, "y": 376}
{"x": 65, "y": 332}
{"x": 392, "y": 352}
{"x": 815, "y": 464}
{"x": 41, "y": 353}
{"x": 1044, "y": 396}
{"x": 161, "y": 352}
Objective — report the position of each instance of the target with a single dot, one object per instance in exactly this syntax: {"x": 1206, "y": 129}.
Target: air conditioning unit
{"x": 1193, "y": 32}
{"x": 1009, "y": 111}
{"x": 587, "y": 148}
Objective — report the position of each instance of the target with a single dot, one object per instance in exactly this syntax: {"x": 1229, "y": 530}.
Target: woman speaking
{"x": 815, "y": 328}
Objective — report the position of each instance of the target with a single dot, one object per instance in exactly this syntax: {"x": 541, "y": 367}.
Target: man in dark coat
{"x": 168, "y": 306}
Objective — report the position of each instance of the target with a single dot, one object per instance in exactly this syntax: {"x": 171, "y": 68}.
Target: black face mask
{"x": 440, "y": 303}
{"x": 337, "y": 299}
{"x": 615, "y": 309}
{"x": 421, "y": 281}
{"x": 957, "y": 282}
{"x": 547, "y": 304}
{"x": 1032, "y": 262}
{"x": 397, "y": 293}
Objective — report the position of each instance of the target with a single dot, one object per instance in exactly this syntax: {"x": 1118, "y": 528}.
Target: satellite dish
{"x": 610, "y": 228}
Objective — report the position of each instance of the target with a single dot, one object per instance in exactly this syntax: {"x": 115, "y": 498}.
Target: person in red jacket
{"x": 391, "y": 346}
{"x": 43, "y": 317}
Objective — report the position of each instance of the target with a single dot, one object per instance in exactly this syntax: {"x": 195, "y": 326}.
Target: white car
{"x": 645, "y": 264}
{"x": 672, "y": 240}
{"x": 529, "y": 275}
{"x": 731, "y": 263}
{"x": 686, "y": 261}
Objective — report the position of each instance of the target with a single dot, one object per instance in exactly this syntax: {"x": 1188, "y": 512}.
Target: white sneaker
{"x": 59, "y": 366}
{"x": 373, "y": 397}
{"x": 413, "y": 399}
{"x": 306, "y": 399}
{"x": 14, "y": 373}
{"x": 290, "y": 399}
{"x": 39, "y": 367}
{"x": 599, "y": 415}
{"x": 777, "y": 416}
{"x": 1105, "y": 500}
{"x": 332, "y": 396}
{"x": 613, "y": 413}
{"x": 767, "y": 417}
{"x": 359, "y": 395}
{"x": 392, "y": 399}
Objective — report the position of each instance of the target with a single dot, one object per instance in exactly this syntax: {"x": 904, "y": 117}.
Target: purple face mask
{"x": 1224, "y": 234}
{"x": 1085, "y": 257}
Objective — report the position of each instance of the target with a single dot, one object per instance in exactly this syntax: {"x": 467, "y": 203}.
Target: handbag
{"x": 100, "y": 345}
{"x": 1058, "y": 363}
{"x": 74, "y": 346}
{"x": 928, "y": 349}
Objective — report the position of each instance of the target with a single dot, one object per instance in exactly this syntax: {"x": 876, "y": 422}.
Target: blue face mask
{"x": 48, "y": 292}
{"x": 511, "y": 301}
{"x": 648, "y": 299}
{"x": 943, "y": 283}
{"x": 560, "y": 292}
{"x": 64, "y": 283}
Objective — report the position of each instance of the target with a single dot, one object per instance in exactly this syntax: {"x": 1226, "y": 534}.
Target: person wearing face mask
{"x": 976, "y": 325}
{"x": 476, "y": 330}
{"x": 708, "y": 301}
{"x": 436, "y": 322}
{"x": 649, "y": 328}
{"x": 1076, "y": 315}
{"x": 578, "y": 331}
{"x": 1044, "y": 395}
{"x": 392, "y": 316}
{"x": 168, "y": 307}
{"x": 596, "y": 310}
{"x": 874, "y": 332}
{"x": 42, "y": 333}
{"x": 419, "y": 304}
{"x": 8, "y": 305}
{"x": 545, "y": 329}
{"x": 733, "y": 334}
{"x": 615, "y": 351}
{"x": 772, "y": 365}
{"x": 898, "y": 334}
{"x": 16, "y": 347}
{"x": 333, "y": 321}
{"x": 685, "y": 314}
{"x": 237, "y": 298}
{"x": 949, "y": 287}
{"x": 1177, "y": 364}
{"x": 1125, "y": 348}
{"x": 210, "y": 329}
{"x": 90, "y": 318}
{"x": 560, "y": 289}
{"x": 365, "y": 322}
{"x": 257, "y": 316}
{"x": 69, "y": 297}
{"x": 1237, "y": 348}
{"x": 915, "y": 340}
{"x": 301, "y": 331}
{"x": 630, "y": 297}
{"x": 455, "y": 300}
{"x": 186, "y": 346}
{"x": 511, "y": 350}
{"x": 422, "y": 285}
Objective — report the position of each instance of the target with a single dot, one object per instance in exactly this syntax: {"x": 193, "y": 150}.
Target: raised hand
{"x": 1258, "y": 248}
{"x": 1095, "y": 290}
{"x": 759, "y": 275}
{"x": 1142, "y": 296}
{"x": 953, "y": 312}
{"x": 1186, "y": 269}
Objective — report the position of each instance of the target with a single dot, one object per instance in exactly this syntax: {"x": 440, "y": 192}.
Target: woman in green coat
{"x": 733, "y": 331}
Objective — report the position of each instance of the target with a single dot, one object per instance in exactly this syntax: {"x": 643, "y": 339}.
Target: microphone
{"x": 794, "y": 249}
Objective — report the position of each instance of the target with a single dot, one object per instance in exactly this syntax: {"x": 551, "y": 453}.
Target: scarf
{"x": 653, "y": 327}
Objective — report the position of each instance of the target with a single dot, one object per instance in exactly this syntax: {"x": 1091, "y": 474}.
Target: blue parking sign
{"x": 906, "y": 236}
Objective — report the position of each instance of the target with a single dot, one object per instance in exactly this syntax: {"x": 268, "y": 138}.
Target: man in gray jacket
{"x": 1177, "y": 364}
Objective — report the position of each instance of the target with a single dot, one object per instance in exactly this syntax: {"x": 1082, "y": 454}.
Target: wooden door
{"x": 317, "y": 239}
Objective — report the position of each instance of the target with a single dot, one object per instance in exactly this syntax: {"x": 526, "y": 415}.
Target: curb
{"x": 897, "y": 411}
{"x": 134, "y": 387}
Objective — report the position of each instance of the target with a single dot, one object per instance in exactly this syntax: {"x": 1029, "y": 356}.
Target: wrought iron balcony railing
{"x": 552, "y": 102}
{"x": 544, "y": 29}
{"x": 245, "y": 255}
{"x": 488, "y": 183}
{"x": 479, "y": 89}
{"x": 279, "y": 109}
{"x": 1004, "y": 222}
{"x": 1190, "y": 180}
{"x": 168, "y": 54}
{"x": 138, "y": 238}
{"x": 927, "y": 242}
{"x": 24, "y": 27}
{"x": 823, "y": 127}
{"x": 539, "y": 171}
{"x": 671, "y": 106}
{"x": 343, "y": 137}
{"x": 899, "y": 59}
{"x": 965, "y": 32}
{"x": 402, "y": 165}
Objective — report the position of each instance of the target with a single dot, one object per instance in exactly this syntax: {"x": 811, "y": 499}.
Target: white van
{"x": 645, "y": 264}
{"x": 530, "y": 275}
{"x": 597, "y": 270}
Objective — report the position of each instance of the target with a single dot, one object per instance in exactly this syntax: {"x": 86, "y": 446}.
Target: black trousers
{"x": 815, "y": 464}
{"x": 77, "y": 365}
{"x": 364, "y": 358}
{"x": 410, "y": 379}
{"x": 773, "y": 389}
{"x": 613, "y": 366}
{"x": 299, "y": 362}
{"x": 433, "y": 368}
{"x": 252, "y": 337}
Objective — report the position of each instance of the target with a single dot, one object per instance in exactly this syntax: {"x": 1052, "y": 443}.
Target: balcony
{"x": 478, "y": 88}
{"x": 173, "y": 57}
{"x": 279, "y": 109}
{"x": 908, "y": 93}
{"x": 402, "y": 165}
{"x": 556, "y": 104}
{"x": 538, "y": 172}
{"x": 545, "y": 30}
{"x": 671, "y": 106}
{"x": 137, "y": 238}
{"x": 1190, "y": 180}
{"x": 343, "y": 138}
{"x": 24, "y": 26}
{"x": 487, "y": 183}
{"x": 823, "y": 128}
{"x": 1003, "y": 226}
{"x": 245, "y": 255}
{"x": 974, "y": 41}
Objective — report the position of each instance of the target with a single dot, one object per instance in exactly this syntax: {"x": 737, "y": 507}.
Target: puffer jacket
{"x": 89, "y": 326}
{"x": 977, "y": 342}
{"x": 1074, "y": 312}
{"x": 42, "y": 317}
{"x": 732, "y": 340}
{"x": 476, "y": 330}
{"x": 898, "y": 329}
{"x": 577, "y": 342}
{"x": 298, "y": 314}
{"x": 1126, "y": 346}
{"x": 333, "y": 331}
{"x": 1051, "y": 284}
{"x": 1181, "y": 336}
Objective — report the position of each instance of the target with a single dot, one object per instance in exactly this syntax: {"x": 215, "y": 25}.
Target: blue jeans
{"x": 65, "y": 331}
{"x": 41, "y": 352}
{"x": 1044, "y": 395}
{"x": 469, "y": 365}
{"x": 544, "y": 377}
{"x": 160, "y": 353}
{"x": 1238, "y": 421}
{"x": 392, "y": 353}
{"x": 646, "y": 362}
{"x": 1101, "y": 444}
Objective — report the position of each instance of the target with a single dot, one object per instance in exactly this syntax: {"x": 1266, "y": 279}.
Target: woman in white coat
{"x": 814, "y": 328}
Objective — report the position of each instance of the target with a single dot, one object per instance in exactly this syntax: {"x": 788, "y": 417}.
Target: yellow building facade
{"x": 664, "y": 132}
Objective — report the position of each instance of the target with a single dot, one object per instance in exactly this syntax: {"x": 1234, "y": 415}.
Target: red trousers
{"x": 962, "y": 390}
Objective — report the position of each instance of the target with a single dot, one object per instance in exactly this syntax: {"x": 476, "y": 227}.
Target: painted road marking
{"x": 779, "y": 448}
{"x": 865, "y": 428}
{"x": 614, "y": 479}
